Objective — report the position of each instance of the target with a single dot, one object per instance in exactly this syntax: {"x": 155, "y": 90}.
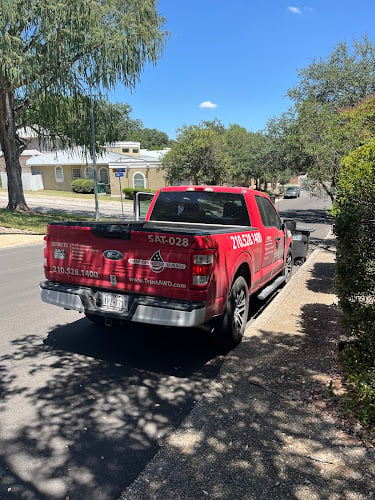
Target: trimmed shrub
{"x": 83, "y": 186}
{"x": 355, "y": 270}
{"x": 130, "y": 192}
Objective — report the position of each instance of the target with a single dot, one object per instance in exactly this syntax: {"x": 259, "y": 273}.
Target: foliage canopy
{"x": 66, "y": 49}
{"x": 198, "y": 156}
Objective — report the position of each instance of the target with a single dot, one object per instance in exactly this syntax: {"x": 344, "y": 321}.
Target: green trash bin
{"x": 100, "y": 188}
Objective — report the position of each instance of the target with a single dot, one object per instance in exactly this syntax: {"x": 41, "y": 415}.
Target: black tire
{"x": 231, "y": 326}
{"x": 288, "y": 266}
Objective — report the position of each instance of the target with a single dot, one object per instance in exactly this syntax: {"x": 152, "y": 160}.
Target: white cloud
{"x": 295, "y": 10}
{"x": 208, "y": 104}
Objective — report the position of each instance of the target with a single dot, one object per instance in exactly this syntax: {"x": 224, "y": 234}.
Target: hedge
{"x": 83, "y": 186}
{"x": 355, "y": 269}
{"x": 130, "y": 192}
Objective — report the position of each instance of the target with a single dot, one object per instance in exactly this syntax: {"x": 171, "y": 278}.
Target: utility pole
{"x": 94, "y": 157}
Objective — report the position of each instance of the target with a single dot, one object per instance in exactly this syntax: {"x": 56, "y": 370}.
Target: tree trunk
{"x": 11, "y": 151}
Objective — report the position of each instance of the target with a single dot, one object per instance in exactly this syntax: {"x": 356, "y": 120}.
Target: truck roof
{"x": 217, "y": 189}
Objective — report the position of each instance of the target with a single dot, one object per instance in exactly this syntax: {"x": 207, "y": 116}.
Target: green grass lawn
{"x": 35, "y": 222}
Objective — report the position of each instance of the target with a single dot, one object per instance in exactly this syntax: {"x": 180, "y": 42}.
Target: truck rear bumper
{"x": 142, "y": 309}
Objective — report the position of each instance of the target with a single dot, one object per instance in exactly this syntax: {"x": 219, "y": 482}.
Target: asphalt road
{"x": 83, "y": 409}
{"x": 310, "y": 212}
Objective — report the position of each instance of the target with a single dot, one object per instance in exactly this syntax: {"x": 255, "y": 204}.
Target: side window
{"x": 59, "y": 174}
{"x": 268, "y": 213}
{"x": 259, "y": 199}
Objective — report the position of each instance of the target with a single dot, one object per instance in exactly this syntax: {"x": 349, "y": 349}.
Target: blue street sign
{"x": 119, "y": 174}
{"x": 121, "y": 170}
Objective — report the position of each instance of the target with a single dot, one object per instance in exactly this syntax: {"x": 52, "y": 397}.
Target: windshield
{"x": 201, "y": 207}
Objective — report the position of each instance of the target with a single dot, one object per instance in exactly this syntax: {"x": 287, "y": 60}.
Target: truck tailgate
{"x": 124, "y": 258}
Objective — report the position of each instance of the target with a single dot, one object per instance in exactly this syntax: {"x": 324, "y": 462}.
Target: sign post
{"x": 120, "y": 173}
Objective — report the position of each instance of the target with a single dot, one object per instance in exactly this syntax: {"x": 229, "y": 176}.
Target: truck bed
{"x": 120, "y": 229}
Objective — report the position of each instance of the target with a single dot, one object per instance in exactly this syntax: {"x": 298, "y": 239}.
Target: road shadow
{"x": 268, "y": 429}
{"x": 311, "y": 216}
{"x": 101, "y": 402}
{"x": 171, "y": 351}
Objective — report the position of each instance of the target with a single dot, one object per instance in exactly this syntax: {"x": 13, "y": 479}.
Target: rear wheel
{"x": 231, "y": 327}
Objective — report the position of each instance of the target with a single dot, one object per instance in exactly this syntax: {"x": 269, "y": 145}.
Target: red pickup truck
{"x": 194, "y": 260}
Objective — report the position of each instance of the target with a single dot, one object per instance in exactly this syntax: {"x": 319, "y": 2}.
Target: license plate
{"x": 115, "y": 302}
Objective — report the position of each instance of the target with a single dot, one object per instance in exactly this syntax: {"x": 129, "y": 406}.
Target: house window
{"x": 135, "y": 150}
{"x": 59, "y": 174}
{"x": 103, "y": 176}
{"x": 125, "y": 150}
{"x": 76, "y": 173}
{"x": 36, "y": 171}
{"x": 89, "y": 173}
{"x": 139, "y": 181}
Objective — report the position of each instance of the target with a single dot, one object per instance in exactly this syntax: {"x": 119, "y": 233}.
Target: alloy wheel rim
{"x": 239, "y": 310}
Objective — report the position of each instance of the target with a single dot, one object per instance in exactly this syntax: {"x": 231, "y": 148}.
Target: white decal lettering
{"x": 245, "y": 240}
{"x": 168, "y": 240}
{"x": 159, "y": 282}
{"x": 71, "y": 271}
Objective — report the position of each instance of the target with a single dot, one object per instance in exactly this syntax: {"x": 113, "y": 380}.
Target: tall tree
{"x": 66, "y": 48}
{"x": 249, "y": 153}
{"x": 325, "y": 89}
{"x": 238, "y": 143}
{"x": 150, "y": 138}
{"x": 198, "y": 156}
{"x": 287, "y": 151}
{"x": 361, "y": 118}
{"x": 112, "y": 121}
{"x": 326, "y": 140}
{"x": 343, "y": 79}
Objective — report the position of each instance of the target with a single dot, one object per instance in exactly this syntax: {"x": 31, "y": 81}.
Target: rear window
{"x": 201, "y": 207}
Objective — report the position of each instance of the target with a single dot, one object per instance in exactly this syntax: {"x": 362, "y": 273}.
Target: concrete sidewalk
{"x": 265, "y": 429}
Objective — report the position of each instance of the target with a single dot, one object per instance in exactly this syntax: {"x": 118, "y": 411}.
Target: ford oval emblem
{"x": 113, "y": 255}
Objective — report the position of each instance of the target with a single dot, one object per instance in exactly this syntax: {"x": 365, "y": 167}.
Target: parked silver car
{"x": 292, "y": 192}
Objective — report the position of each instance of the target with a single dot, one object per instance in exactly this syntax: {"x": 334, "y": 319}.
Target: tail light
{"x": 203, "y": 263}
{"x": 46, "y": 252}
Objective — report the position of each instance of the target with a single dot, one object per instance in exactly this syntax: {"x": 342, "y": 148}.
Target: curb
{"x": 189, "y": 433}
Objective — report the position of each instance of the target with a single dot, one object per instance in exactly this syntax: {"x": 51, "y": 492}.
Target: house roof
{"x": 79, "y": 156}
{"x": 27, "y": 152}
{"x": 74, "y": 156}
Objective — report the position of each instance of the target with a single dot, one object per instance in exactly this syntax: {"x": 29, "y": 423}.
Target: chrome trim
{"x": 62, "y": 299}
{"x": 143, "y": 313}
{"x": 168, "y": 317}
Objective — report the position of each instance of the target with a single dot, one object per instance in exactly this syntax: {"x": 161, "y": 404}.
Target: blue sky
{"x": 235, "y": 60}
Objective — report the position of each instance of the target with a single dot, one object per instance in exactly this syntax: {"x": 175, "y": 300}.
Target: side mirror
{"x": 289, "y": 224}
